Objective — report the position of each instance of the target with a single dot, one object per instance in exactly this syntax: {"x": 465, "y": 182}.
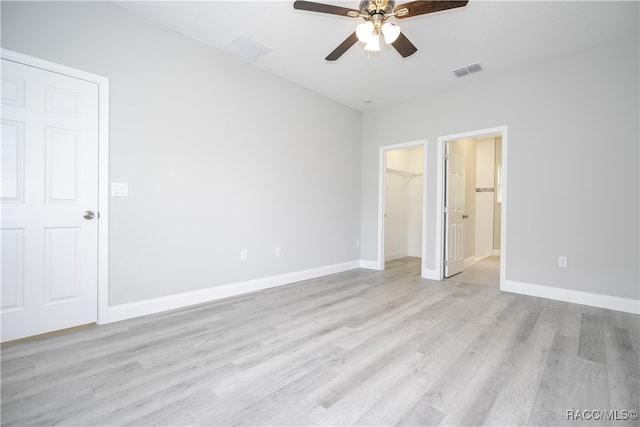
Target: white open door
{"x": 454, "y": 210}
{"x": 49, "y": 196}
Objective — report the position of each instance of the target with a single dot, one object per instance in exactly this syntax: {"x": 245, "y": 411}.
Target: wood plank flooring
{"x": 485, "y": 272}
{"x": 356, "y": 348}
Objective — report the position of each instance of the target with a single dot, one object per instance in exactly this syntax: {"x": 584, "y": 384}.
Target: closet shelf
{"x": 406, "y": 176}
{"x": 403, "y": 173}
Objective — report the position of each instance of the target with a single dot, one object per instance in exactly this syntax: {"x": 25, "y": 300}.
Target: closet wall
{"x": 403, "y": 203}
{"x": 497, "y": 210}
{"x": 485, "y": 197}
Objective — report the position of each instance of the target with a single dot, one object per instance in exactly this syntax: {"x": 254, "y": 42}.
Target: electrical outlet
{"x": 562, "y": 261}
{"x": 278, "y": 251}
{"x": 244, "y": 255}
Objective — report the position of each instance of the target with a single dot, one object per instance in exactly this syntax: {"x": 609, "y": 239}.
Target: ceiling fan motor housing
{"x": 370, "y": 7}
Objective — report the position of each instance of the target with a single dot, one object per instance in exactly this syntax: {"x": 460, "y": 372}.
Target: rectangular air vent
{"x": 247, "y": 49}
{"x": 474, "y": 68}
{"x": 460, "y": 72}
{"x": 463, "y": 71}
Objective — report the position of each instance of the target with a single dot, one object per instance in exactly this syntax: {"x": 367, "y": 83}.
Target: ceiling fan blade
{"x": 343, "y": 47}
{"x": 325, "y": 8}
{"x": 422, "y": 7}
{"x": 404, "y": 46}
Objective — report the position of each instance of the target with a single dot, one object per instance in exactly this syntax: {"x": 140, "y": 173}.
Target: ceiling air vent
{"x": 469, "y": 69}
{"x": 247, "y": 49}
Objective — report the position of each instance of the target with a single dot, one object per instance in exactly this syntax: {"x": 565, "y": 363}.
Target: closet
{"x": 403, "y": 203}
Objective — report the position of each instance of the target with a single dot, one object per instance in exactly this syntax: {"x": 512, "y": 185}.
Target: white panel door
{"x": 454, "y": 210}
{"x": 49, "y": 181}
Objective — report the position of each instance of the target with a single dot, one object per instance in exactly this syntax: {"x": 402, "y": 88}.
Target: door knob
{"x": 88, "y": 215}
{"x": 465, "y": 216}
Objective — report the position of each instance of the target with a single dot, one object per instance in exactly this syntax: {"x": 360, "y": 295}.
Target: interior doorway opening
{"x": 402, "y": 199}
{"x": 472, "y": 204}
{"x": 403, "y": 204}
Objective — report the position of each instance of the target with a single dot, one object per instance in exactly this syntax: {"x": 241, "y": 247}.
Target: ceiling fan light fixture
{"x": 373, "y": 45}
{"x": 364, "y": 31}
{"x": 375, "y": 13}
{"x": 390, "y": 32}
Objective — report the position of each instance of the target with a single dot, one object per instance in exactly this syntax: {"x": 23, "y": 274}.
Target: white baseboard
{"x": 468, "y": 262}
{"x": 430, "y": 274}
{"x": 170, "y": 302}
{"x": 371, "y": 265}
{"x": 415, "y": 254}
{"x": 627, "y": 305}
{"x": 395, "y": 255}
{"x": 483, "y": 256}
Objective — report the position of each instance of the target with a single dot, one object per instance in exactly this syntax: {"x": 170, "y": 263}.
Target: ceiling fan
{"x": 375, "y": 14}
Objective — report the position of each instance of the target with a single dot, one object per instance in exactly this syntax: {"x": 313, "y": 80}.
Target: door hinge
{"x": 446, "y": 156}
{"x": 446, "y": 209}
{"x": 446, "y": 262}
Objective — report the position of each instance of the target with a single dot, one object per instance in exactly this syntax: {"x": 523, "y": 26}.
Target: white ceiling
{"x": 503, "y": 36}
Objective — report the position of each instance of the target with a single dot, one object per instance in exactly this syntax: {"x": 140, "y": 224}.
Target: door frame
{"x": 103, "y": 164}
{"x": 440, "y": 196}
{"x": 382, "y": 181}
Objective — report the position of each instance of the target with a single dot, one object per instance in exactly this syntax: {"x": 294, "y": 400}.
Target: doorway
{"x": 472, "y": 206}
{"x": 401, "y": 209}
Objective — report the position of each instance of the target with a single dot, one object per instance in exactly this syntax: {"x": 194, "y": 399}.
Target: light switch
{"x": 119, "y": 189}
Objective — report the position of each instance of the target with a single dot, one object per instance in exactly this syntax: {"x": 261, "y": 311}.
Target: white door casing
{"x": 439, "y": 195}
{"x": 49, "y": 180}
{"x": 454, "y": 210}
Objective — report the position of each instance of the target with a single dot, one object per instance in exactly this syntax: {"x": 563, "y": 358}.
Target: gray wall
{"x": 573, "y": 186}
{"x": 217, "y": 162}
{"x": 219, "y": 156}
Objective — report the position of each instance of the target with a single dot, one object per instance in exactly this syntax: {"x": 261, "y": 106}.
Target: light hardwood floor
{"x": 356, "y": 348}
{"x": 485, "y": 272}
